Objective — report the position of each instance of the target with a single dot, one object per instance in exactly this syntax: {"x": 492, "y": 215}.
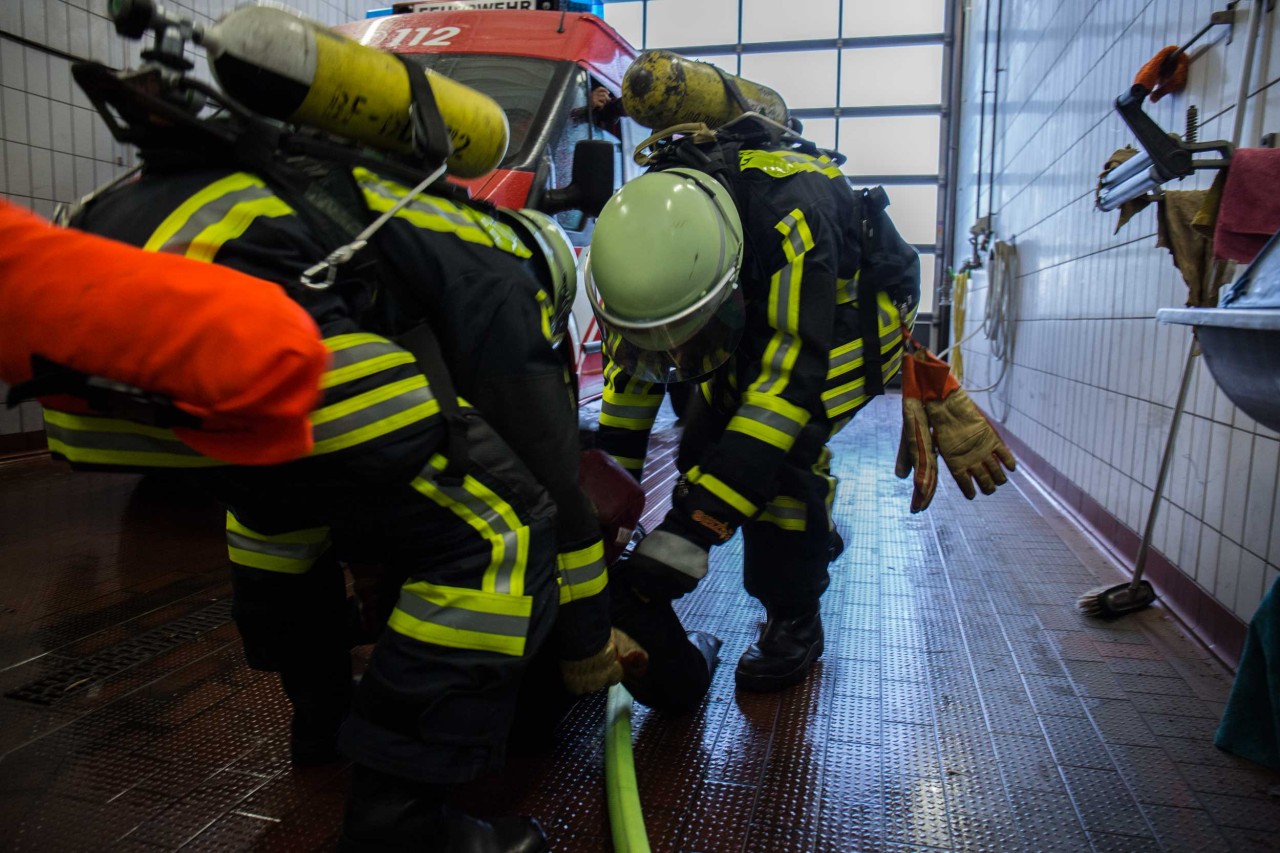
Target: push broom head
{"x": 1108, "y": 601}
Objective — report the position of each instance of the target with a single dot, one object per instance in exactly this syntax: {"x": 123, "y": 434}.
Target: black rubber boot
{"x": 680, "y": 664}
{"x": 387, "y": 813}
{"x": 780, "y": 658}
{"x": 320, "y": 693}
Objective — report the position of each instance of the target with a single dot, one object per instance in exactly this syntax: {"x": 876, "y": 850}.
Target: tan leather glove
{"x": 622, "y": 657}
{"x": 968, "y": 444}
{"x": 915, "y": 449}
{"x": 961, "y": 433}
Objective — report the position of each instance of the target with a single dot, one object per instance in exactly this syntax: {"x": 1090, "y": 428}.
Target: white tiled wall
{"x": 1093, "y": 379}
{"x": 55, "y": 148}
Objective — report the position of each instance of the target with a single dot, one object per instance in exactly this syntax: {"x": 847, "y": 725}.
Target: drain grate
{"x": 98, "y": 667}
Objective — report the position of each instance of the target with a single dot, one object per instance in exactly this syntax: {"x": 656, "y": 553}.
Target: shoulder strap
{"x": 873, "y": 202}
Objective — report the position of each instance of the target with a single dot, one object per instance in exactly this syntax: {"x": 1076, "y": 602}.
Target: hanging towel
{"x": 1250, "y": 726}
{"x": 1185, "y": 223}
{"x": 1250, "y": 211}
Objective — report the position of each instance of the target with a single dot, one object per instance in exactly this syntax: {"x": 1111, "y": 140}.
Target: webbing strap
{"x": 874, "y": 201}
{"x": 421, "y": 342}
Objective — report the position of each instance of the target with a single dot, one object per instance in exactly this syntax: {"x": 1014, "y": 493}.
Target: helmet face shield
{"x": 713, "y": 341}
{"x": 661, "y": 275}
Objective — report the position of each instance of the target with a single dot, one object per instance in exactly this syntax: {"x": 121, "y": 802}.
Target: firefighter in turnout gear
{"x": 445, "y": 453}
{"x": 744, "y": 260}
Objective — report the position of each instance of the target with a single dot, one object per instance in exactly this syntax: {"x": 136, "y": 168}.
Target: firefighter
{"x": 743, "y": 260}
{"x": 413, "y": 468}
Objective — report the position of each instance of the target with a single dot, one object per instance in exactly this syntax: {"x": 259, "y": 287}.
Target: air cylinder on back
{"x": 662, "y": 89}
{"x": 287, "y": 67}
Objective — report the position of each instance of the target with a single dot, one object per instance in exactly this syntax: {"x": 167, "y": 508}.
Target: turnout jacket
{"x": 437, "y": 260}
{"x": 827, "y": 281}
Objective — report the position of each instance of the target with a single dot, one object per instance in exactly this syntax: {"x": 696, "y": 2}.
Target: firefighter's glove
{"x": 621, "y": 657}
{"x": 1165, "y": 73}
{"x": 664, "y": 566}
{"x": 915, "y": 449}
{"x": 968, "y": 444}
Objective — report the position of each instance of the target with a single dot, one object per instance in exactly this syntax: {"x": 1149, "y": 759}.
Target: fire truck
{"x": 545, "y": 68}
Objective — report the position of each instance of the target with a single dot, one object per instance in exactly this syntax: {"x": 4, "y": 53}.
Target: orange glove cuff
{"x": 927, "y": 377}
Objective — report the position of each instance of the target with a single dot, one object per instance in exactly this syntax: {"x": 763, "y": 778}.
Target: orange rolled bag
{"x": 237, "y": 360}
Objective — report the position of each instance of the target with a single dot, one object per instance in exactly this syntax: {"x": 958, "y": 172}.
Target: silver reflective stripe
{"x": 461, "y": 619}
{"x": 583, "y": 574}
{"x": 123, "y": 441}
{"x": 675, "y": 551}
{"x": 371, "y": 414}
{"x": 780, "y": 511}
{"x": 777, "y": 369}
{"x": 301, "y": 551}
{"x": 211, "y": 214}
{"x": 845, "y": 358}
{"x": 857, "y": 392}
{"x": 427, "y": 206}
{"x": 482, "y": 510}
{"x": 361, "y": 352}
{"x": 761, "y": 415}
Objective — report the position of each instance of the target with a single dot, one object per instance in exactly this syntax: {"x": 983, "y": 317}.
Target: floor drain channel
{"x": 98, "y": 667}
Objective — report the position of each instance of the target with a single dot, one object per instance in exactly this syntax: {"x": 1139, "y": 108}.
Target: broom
{"x": 1109, "y": 601}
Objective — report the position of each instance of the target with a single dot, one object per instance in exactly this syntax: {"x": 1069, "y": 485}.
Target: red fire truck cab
{"x": 542, "y": 68}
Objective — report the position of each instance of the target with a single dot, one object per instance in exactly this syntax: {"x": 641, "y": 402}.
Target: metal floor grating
{"x": 962, "y": 703}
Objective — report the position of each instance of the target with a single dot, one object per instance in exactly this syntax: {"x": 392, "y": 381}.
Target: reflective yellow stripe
{"x": 463, "y": 618}
{"x": 770, "y": 419}
{"x": 207, "y": 243}
{"x": 784, "y": 306}
{"x": 722, "y": 491}
{"x": 360, "y": 354}
{"x": 847, "y": 289}
{"x": 630, "y": 462}
{"x": 582, "y": 572}
{"x": 786, "y": 512}
{"x": 437, "y": 214}
{"x": 842, "y": 398}
{"x": 548, "y": 312}
{"x": 173, "y": 224}
{"x": 293, "y": 552}
{"x": 781, "y": 164}
{"x": 490, "y": 516}
{"x": 95, "y": 440}
{"x": 380, "y": 411}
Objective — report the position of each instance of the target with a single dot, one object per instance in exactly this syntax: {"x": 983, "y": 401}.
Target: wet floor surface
{"x": 961, "y": 704}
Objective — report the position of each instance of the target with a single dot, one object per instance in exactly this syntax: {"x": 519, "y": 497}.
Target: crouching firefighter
{"x": 744, "y": 261}
{"x": 438, "y": 341}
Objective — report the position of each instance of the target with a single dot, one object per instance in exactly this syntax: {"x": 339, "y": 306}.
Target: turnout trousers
{"x": 474, "y": 557}
{"x": 788, "y": 544}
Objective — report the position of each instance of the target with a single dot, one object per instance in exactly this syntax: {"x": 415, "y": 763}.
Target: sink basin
{"x": 1241, "y": 338}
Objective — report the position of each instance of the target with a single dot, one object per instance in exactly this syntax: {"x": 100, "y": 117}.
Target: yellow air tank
{"x": 662, "y": 89}
{"x": 285, "y": 66}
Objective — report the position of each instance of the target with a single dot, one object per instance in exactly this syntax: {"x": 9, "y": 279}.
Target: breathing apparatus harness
{"x": 157, "y": 108}
{"x": 715, "y": 152}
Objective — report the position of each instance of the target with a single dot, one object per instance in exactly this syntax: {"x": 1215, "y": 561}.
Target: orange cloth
{"x": 230, "y": 349}
{"x": 1165, "y": 73}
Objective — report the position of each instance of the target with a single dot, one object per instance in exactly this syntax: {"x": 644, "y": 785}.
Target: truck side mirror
{"x": 592, "y": 183}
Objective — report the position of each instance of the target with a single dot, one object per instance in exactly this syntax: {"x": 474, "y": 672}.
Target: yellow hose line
{"x": 626, "y": 820}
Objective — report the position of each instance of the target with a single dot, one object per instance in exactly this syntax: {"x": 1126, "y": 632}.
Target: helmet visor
{"x": 671, "y": 354}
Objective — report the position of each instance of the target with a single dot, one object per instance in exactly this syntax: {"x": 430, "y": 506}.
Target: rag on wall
{"x": 1250, "y": 211}
{"x": 1185, "y": 224}
{"x": 1185, "y": 227}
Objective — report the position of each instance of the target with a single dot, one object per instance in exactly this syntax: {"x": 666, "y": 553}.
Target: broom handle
{"x": 1140, "y": 564}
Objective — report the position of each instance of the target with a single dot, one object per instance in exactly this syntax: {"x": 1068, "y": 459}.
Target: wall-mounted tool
{"x": 1164, "y": 157}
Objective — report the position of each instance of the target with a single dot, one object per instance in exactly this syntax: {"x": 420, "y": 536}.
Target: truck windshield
{"x": 517, "y": 83}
